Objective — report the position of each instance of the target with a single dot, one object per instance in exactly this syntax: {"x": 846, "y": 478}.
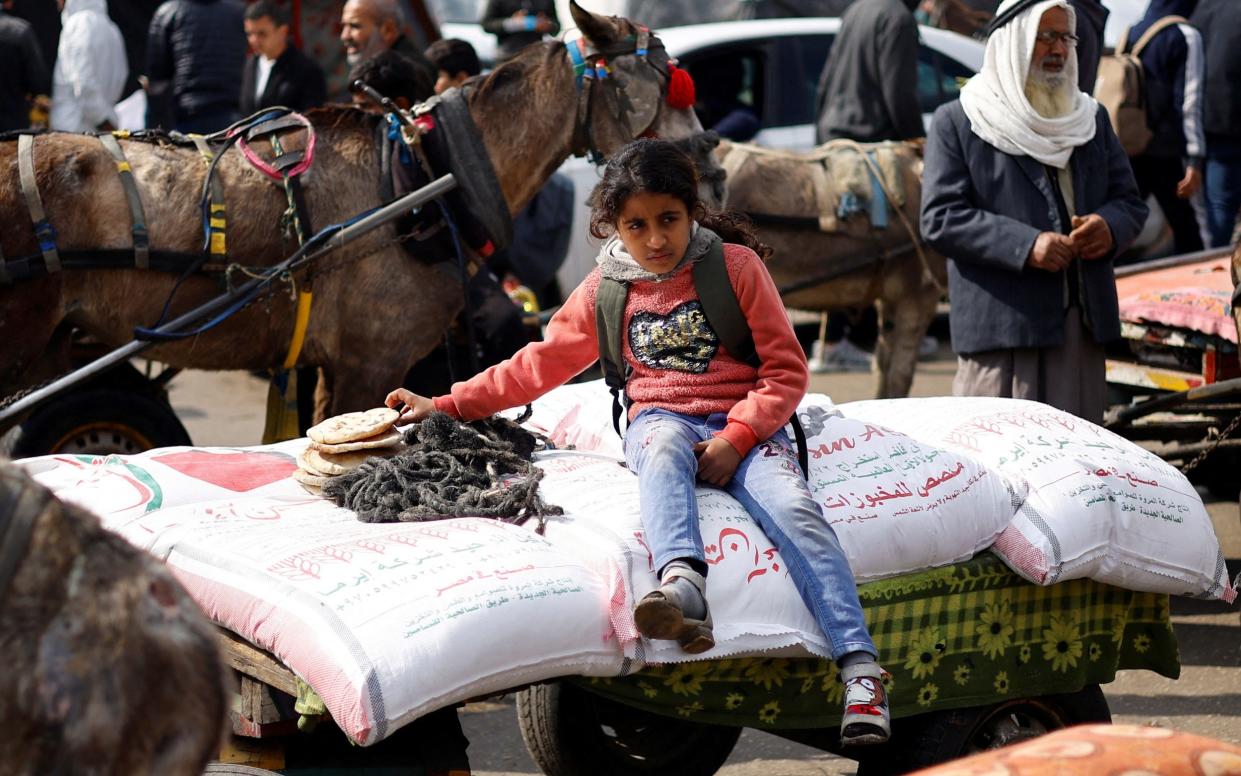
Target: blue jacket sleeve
{"x": 1125, "y": 210}
{"x": 952, "y": 222}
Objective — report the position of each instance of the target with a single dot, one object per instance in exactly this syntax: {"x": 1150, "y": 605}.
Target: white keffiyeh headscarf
{"x": 995, "y": 100}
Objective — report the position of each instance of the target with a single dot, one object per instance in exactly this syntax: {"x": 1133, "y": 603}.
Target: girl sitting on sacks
{"x": 695, "y": 411}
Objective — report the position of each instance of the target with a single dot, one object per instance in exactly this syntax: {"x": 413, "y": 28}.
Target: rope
{"x": 456, "y": 469}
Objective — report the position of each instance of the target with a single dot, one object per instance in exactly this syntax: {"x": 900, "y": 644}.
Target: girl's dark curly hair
{"x": 650, "y": 166}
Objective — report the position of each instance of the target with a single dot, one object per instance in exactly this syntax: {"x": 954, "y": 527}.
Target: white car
{"x": 781, "y": 60}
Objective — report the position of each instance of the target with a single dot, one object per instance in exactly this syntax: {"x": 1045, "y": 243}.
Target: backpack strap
{"x": 719, "y": 303}
{"x": 724, "y": 315}
{"x": 1123, "y": 44}
{"x": 610, "y": 322}
{"x": 723, "y": 311}
{"x": 1152, "y": 31}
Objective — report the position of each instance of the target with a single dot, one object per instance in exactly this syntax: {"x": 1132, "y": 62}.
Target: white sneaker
{"x": 928, "y": 347}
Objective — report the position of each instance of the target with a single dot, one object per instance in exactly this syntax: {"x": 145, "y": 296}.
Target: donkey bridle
{"x": 594, "y": 70}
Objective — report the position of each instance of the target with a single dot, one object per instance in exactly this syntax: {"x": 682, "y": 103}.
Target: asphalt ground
{"x": 226, "y": 408}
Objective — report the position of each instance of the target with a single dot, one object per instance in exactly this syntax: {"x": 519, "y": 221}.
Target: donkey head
{"x": 631, "y": 95}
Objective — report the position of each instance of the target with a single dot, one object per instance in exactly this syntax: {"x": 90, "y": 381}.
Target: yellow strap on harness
{"x": 217, "y": 222}
{"x": 304, "y": 301}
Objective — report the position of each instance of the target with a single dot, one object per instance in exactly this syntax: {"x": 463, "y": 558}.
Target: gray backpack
{"x": 1121, "y": 87}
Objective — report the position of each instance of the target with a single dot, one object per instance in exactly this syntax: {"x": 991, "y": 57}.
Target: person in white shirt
{"x": 90, "y": 70}
{"x": 278, "y": 73}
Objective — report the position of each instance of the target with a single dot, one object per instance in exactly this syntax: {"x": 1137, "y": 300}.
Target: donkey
{"x": 110, "y": 668}
{"x": 823, "y": 263}
{"x": 375, "y": 312}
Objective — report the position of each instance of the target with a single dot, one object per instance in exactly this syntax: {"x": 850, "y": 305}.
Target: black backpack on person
{"x": 719, "y": 304}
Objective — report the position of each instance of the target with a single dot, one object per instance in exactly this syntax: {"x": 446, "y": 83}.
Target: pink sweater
{"x": 679, "y": 364}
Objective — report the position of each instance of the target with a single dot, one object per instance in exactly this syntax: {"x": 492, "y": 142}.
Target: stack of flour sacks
{"x": 911, "y": 484}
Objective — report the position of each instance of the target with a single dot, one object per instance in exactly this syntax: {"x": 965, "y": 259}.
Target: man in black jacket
{"x": 278, "y": 73}
{"x": 518, "y": 23}
{"x": 1219, "y": 22}
{"x": 196, "y": 50}
{"x": 868, "y": 90}
{"x": 23, "y": 74}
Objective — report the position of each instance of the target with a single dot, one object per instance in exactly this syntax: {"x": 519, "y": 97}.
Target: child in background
{"x": 695, "y": 411}
{"x": 455, "y": 60}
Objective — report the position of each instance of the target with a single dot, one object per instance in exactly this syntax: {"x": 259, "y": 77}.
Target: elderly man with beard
{"x": 1028, "y": 191}
{"x": 368, "y": 27}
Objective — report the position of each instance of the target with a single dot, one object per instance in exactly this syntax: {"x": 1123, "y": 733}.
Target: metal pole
{"x": 1127, "y": 415}
{"x": 389, "y": 212}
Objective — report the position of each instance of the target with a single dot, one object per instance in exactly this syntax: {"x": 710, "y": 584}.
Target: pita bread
{"x": 340, "y": 463}
{"x": 389, "y": 438}
{"x": 307, "y": 478}
{"x": 306, "y": 466}
{"x": 353, "y": 426}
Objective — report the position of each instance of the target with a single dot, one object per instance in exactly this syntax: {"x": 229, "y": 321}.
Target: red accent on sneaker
{"x": 867, "y": 708}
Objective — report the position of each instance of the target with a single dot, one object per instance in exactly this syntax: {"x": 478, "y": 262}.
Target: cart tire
{"x": 929, "y": 739}
{"x": 100, "y": 421}
{"x": 569, "y": 731}
{"x": 230, "y": 769}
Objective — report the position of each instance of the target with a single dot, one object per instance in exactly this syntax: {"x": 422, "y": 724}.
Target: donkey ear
{"x": 599, "y": 30}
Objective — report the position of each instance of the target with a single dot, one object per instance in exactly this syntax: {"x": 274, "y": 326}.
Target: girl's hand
{"x": 413, "y": 407}
{"x": 717, "y": 461}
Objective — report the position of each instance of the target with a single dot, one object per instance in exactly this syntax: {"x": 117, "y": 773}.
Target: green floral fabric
{"x": 962, "y": 635}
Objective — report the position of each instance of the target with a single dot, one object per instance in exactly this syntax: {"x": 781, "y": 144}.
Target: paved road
{"x": 226, "y": 409}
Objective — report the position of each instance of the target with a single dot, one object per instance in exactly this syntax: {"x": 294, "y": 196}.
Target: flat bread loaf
{"x": 389, "y": 438}
{"x": 340, "y": 463}
{"x": 307, "y": 478}
{"x": 353, "y": 426}
{"x": 306, "y": 466}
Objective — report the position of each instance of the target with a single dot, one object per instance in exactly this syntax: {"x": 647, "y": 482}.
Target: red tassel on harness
{"x": 680, "y": 88}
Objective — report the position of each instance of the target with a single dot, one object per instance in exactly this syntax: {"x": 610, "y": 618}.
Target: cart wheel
{"x": 928, "y": 739}
{"x": 570, "y": 731}
{"x": 100, "y": 421}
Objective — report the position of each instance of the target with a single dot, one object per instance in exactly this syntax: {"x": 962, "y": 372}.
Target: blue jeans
{"x": 1222, "y": 188}
{"x": 659, "y": 446}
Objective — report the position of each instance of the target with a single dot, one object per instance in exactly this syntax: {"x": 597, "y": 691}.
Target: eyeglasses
{"x": 1052, "y": 36}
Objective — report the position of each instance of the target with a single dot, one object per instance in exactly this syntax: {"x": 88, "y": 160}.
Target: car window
{"x": 729, "y": 80}
{"x": 939, "y": 79}
{"x": 804, "y": 65}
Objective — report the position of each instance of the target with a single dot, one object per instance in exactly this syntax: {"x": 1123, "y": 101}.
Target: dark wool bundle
{"x": 454, "y": 469}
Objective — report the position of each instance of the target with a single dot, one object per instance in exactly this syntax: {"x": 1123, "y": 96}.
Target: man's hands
{"x": 1091, "y": 236}
{"x": 1052, "y": 251}
{"x": 1188, "y": 185}
{"x": 413, "y": 407}
{"x": 1090, "y": 239}
{"x": 717, "y": 461}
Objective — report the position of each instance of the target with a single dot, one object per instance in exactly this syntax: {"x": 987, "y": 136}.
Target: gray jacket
{"x": 983, "y": 209}
{"x": 868, "y": 90}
